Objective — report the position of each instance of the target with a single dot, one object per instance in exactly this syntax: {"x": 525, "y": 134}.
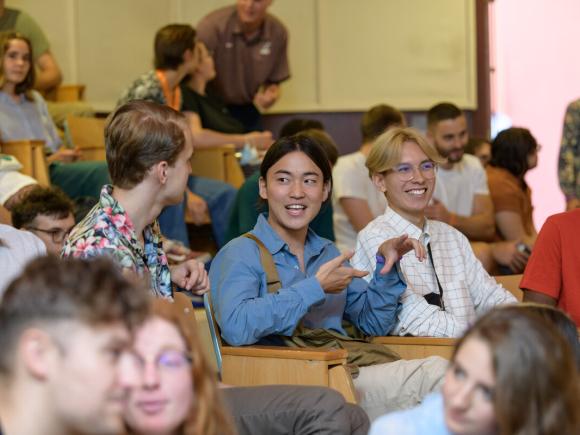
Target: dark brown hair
{"x": 26, "y": 85}
{"x": 537, "y": 388}
{"x": 510, "y": 150}
{"x": 50, "y": 289}
{"x": 379, "y": 119}
{"x": 297, "y": 125}
{"x": 474, "y": 143}
{"x": 138, "y": 135}
{"x": 171, "y": 42}
{"x": 325, "y": 141}
{"x": 442, "y": 112}
{"x": 305, "y": 143}
{"x": 48, "y": 201}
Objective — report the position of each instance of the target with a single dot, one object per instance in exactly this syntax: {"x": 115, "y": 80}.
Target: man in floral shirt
{"x": 148, "y": 152}
{"x": 569, "y": 161}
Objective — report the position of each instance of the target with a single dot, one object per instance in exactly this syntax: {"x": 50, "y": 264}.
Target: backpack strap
{"x": 272, "y": 277}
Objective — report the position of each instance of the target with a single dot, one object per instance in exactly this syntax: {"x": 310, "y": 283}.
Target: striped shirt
{"x": 468, "y": 290}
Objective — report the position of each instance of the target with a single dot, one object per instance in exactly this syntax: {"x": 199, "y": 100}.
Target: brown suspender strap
{"x": 360, "y": 351}
{"x": 267, "y": 261}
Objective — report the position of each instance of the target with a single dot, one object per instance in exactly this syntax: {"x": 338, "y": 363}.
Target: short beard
{"x": 448, "y": 154}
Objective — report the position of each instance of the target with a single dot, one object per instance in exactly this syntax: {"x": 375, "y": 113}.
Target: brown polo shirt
{"x": 508, "y": 195}
{"x": 244, "y": 65}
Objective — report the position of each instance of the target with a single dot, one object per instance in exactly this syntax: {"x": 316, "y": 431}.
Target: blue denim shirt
{"x": 246, "y": 312}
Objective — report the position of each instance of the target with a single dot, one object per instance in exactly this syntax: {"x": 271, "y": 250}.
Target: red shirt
{"x": 554, "y": 266}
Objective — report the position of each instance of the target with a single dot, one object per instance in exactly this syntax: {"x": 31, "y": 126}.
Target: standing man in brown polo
{"x": 249, "y": 49}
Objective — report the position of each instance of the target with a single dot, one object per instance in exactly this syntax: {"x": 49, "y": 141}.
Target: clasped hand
{"x": 191, "y": 276}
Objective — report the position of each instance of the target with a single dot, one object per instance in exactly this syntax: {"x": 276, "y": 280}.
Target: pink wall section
{"x": 536, "y": 53}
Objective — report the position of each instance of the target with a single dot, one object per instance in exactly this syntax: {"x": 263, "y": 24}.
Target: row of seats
{"x": 268, "y": 365}
{"x": 87, "y": 133}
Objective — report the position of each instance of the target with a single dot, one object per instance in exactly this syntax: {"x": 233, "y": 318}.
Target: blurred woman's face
{"x": 16, "y": 62}
{"x": 409, "y": 185}
{"x": 165, "y": 397}
{"x": 533, "y": 157}
{"x": 206, "y": 66}
{"x": 483, "y": 153}
{"x": 468, "y": 391}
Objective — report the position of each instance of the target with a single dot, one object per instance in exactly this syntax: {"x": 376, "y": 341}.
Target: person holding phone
{"x": 514, "y": 152}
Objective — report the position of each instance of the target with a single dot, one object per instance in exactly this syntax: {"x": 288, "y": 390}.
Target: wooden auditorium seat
{"x": 269, "y": 365}
{"x": 30, "y": 153}
{"x": 512, "y": 284}
{"x": 88, "y": 134}
{"x": 219, "y": 163}
{"x": 66, "y": 93}
{"x": 259, "y": 365}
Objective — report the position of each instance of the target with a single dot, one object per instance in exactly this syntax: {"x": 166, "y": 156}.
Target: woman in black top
{"x": 210, "y": 120}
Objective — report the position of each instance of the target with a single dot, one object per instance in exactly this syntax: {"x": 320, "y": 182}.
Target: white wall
{"x": 345, "y": 55}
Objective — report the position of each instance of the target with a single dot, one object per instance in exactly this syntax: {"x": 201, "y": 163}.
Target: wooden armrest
{"x": 66, "y": 93}
{"x": 314, "y": 354}
{"x": 512, "y": 284}
{"x": 221, "y": 148}
{"x": 418, "y": 347}
{"x": 415, "y": 341}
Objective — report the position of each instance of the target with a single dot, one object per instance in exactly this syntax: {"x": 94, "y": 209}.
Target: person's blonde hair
{"x": 208, "y": 415}
{"x": 386, "y": 151}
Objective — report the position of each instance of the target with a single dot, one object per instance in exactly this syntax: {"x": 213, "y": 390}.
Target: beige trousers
{"x": 402, "y": 384}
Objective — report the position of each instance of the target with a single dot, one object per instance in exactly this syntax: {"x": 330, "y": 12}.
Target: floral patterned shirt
{"x": 147, "y": 87}
{"x": 569, "y": 162}
{"x": 108, "y": 230}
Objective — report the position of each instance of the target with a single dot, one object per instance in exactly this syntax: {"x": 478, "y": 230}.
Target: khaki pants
{"x": 402, "y": 384}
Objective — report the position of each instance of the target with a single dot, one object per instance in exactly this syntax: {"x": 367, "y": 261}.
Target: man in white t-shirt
{"x": 461, "y": 197}
{"x": 355, "y": 199}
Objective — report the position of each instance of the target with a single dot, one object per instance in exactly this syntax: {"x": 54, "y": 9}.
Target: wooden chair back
{"x": 30, "y": 153}
{"x": 512, "y": 284}
{"x": 66, "y": 93}
{"x": 219, "y": 163}
{"x": 88, "y": 134}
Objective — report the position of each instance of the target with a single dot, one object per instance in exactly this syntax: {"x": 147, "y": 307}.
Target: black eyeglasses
{"x": 56, "y": 234}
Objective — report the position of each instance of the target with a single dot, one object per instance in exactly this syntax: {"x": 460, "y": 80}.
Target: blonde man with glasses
{"x": 447, "y": 290}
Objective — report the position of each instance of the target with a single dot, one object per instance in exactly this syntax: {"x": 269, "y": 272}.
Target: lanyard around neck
{"x": 434, "y": 298}
{"x": 174, "y": 102}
